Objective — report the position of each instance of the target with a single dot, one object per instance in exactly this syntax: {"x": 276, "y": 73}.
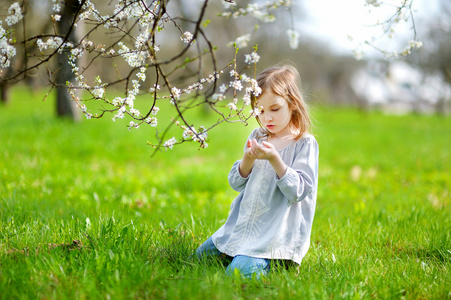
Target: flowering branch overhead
{"x": 146, "y": 62}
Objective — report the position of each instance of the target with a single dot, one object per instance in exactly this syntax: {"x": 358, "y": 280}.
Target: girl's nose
{"x": 268, "y": 117}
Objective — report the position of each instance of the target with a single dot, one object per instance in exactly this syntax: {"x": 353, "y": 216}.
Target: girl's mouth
{"x": 270, "y": 126}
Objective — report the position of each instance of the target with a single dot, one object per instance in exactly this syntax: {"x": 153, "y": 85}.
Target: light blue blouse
{"x": 271, "y": 217}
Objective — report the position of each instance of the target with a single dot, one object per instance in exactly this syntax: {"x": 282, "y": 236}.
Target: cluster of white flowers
{"x": 293, "y": 37}
{"x": 129, "y": 101}
{"x": 142, "y": 39}
{"x": 197, "y": 136}
{"x": 402, "y": 13}
{"x": 218, "y": 97}
{"x": 141, "y": 74}
{"x": 241, "y": 41}
{"x": 406, "y": 51}
{"x": 134, "y": 58}
{"x": 223, "y": 88}
{"x": 7, "y": 51}
{"x": 120, "y": 113}
{"x": 155, "y": 110}
{"x": 187, "y": 37}
{"x": 236, "y": 85}
{"x": 252, "y": 58}
{"x": 15, "y": 14}
{"x": 98, "y": 90}
{"x": 134, "y": 112}
{"x": 252, "y": 89}
{"x": 170, "y": 143}
{"x": 176, "y": 93}
{"x": 82, "y": 107}
{"x": 228, "y": 3}
{"x": 261, "y": 12}
{"x": 256, "y": 111}
{"x": 133, "y": 125}
{"x": 88, "y": 9}
{"x": 375, "y": 3}
{"x": 152, "y": 121}
{"x": 51, "y": 43}
{"x": 154, "y": 88}
{"x": 56, "y": 7}
{"x": 128, "y": 10}
{"x": 232, "y": 105}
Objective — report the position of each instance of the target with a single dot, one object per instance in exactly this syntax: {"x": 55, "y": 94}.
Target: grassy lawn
{"x": 382, "y": 227}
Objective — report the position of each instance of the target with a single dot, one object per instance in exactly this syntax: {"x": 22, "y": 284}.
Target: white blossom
{"x": 228, "y": 4}
{"x": 252, "y": 58}
{"x": 118, "y": 101}
{"x": 187, "y": 37}
{"x": 152, "y": 121}
{"x": 98, "y": 92}
{"x": 241, "y": 41}
{"x": 223, "y": 88}
{"x": 176, "y": 93}
{"x": 256, "y": 111}
{"x": 217, "y": 97}
{"x": 51, "y": 43}
{"x": 293, "y": 38}
{"x": 169, "y": 143}
{"x": 134, "y": 112}
{"x": 232, "y": 106}
{"x": 7, "y": 51}
{"x": 135, "y": 58}
{"x": 132, "y": 125}
{"x": 15, "y": 14}
{"x": 155, "y": 87}
{"x": 56, "y": 7}
{"x": 155, "y": 110}
{"x": 236, "y": 84}
{"x": 56, "y": 18}
{"x": 142, "y": 39}
{"x": 375, "y": 3}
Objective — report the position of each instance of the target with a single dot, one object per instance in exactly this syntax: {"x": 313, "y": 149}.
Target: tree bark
{"x": 65, "y": 106}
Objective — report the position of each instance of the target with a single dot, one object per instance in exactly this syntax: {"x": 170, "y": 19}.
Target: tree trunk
{"x": 65, "y": 106}
{"x": 4, "y": 92}
{"x": 5, "y": 87}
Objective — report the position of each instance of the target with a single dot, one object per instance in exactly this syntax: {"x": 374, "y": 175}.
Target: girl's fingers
{"x": 266, "y": 144}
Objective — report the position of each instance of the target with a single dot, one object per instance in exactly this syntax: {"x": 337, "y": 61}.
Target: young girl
{"x": 271, "y": 219}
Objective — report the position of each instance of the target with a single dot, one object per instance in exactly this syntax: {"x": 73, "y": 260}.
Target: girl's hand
{"x": 248, "y": 152}
{"x": 264, "y": 151}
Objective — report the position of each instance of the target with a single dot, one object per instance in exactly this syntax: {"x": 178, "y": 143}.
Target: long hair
{"x": 285, "y": 82}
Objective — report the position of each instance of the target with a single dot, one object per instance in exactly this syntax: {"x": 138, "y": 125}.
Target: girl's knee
{"x": 207, "y": 249}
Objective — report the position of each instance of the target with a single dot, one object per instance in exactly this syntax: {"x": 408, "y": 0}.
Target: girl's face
{"x": 275, "y": 114}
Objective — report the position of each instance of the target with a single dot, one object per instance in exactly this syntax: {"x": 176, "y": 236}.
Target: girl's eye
{"x": 275, "y": 109}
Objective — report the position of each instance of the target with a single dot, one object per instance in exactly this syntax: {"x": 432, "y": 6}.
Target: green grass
{"x": 381, "y": 230}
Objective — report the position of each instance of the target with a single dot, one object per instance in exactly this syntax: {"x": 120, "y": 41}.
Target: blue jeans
{"x": 245, "y": 264}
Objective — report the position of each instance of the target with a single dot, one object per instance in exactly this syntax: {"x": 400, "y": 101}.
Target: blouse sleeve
{"x": 236, "y": 181}
{"x": 301, "y": 177}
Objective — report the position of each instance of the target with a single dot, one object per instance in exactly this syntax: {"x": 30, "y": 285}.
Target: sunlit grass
{"x": 381, "y": 230}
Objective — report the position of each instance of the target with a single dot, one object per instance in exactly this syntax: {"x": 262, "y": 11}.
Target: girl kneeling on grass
{"x": 271, "y": 219}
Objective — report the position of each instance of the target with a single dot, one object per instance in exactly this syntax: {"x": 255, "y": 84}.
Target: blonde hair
{"x": 285, "y": 82}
